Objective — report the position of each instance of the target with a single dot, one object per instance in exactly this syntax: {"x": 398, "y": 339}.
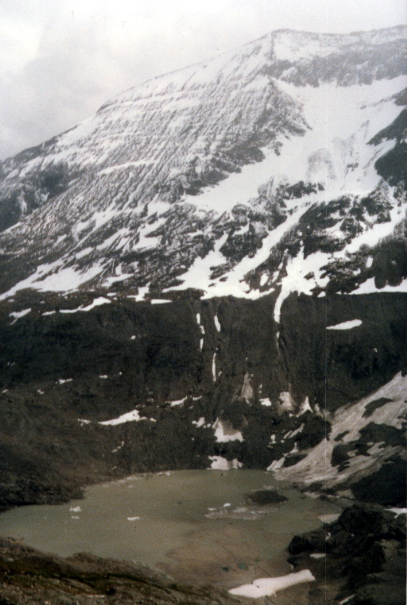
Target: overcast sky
{"x": 61, "y": 59}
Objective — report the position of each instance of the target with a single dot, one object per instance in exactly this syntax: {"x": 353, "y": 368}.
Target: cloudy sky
{"x": 61, "y": 59}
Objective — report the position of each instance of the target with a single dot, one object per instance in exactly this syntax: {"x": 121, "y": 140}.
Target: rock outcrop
{"x": 359, "y": 559}
{"x": 29, "y": 577}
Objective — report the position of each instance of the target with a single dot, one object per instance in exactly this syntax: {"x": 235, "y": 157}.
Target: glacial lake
{"x": 194, "y": 525}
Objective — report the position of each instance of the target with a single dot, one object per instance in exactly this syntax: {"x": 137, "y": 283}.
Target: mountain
{"x": 280, "y": 162}
{"x": 211, "y": 272}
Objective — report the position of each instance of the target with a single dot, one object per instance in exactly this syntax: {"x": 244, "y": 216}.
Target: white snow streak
{"x": 369, "y": 287}
{"x": 133, "y": 416}
{"x": 18, "y": 314}
{"x": 346, "y": 325}
{"x": 217, "y": 323}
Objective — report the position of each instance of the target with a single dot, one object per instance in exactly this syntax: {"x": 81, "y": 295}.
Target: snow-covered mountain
{"x": 261, "y": 197}
{"x": 273, "y": 168}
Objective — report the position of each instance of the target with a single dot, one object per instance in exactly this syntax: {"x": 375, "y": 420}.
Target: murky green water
{"x": 193, "y": 524}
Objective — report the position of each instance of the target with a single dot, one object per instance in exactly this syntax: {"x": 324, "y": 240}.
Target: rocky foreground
{"x": 365, "y": 557}
{"x": 29, "y": 576}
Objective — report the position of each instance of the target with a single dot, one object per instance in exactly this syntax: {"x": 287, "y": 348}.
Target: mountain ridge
{"x": 125, "y": 180}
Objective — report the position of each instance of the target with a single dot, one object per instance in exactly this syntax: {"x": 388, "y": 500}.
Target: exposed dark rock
{"x": 392, "y": 165}
{"x": 337, "y": 359}
{"x": 315, "y": 429}
{"x": 265, "y": 496}
{"x": 365, "y": 552}
{"x": 313, "y": 541}
{"x": 341, "y": 435}
{"x": 381, "y": 433}
{"x": 319, "y": 69}
{"x": 29, "y": 577}
{"x": 396, "y": 130}
{"x": 386, "y": 486}
{"x": 374, "y": 405}
{"x": 340, "y": 453}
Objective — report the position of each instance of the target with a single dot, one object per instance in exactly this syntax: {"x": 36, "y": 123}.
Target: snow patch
{"x": 276, "y": 464}
{"x": 369, "y": 287}
{"x": 217, "y": 323}
{"x": 96, "y": 303}
{"x": 219, "y": 463}
{"x": 133, "y": 416}
{"x": 328, "y": 518}
{"x": 347, "y": 600}
{"x": 199, "y": 423}
{"x": 305, "y": 406}
{"x": 225, "y": 433}
{"x": 264, "y": 587}
{"x": 177, "y": 402}
{"x": 18, "y": 314}
{"x": 246, "y": 392}
{"x": 298, "y": 268}
{"x": 346, "y": 325}
{"x": 286, "y": 403}
{"x": 82, "y": 253}
{"x": 214, "y": 376}
{"x": 160, "y": 301}
{"x": 398, "y": 511}
{"x": 53, "y": 278}
{"x": 291, "y": 434}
